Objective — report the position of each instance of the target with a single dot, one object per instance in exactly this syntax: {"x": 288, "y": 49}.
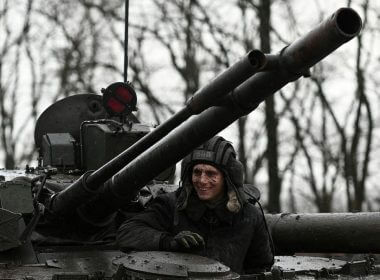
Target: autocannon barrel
{"x": 293, "y": 62}
{"x": 209, "y": 95}
{"x": 325, "y": 232}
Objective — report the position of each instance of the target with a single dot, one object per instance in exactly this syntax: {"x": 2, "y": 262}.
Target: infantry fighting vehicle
{"x": 98, "y": 166}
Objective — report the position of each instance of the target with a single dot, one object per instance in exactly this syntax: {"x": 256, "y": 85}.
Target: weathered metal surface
{"x": 80, "y": 264}
{"x": 306, "y": 264}
{"x": 9, "y": 222}
{"x": 76, "y": 263}
{"x": 326, "y": 232}
{"x": 13, "y": 250}
{"x": 153, "y": 264}
{"x": 89, "y": 264}
{"x": 312, "y": 267}
{"x": 16, "y": 196}
{"x": 66, "y": 115}
{"x": 58, "y": 150}
{"x": 102, "y": 141}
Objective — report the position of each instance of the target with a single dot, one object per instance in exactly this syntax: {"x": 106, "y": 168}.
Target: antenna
{"x": 126, "y": 40}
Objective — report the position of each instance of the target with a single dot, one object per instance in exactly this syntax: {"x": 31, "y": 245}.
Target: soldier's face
{"x": 208, "y": 182}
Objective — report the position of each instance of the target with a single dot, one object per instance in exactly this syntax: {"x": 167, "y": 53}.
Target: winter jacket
{"x": 238, "y": 240}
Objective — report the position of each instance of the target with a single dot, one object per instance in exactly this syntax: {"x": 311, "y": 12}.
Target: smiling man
{"x": 208, "y": 215}
{"x": 208, "y": 182}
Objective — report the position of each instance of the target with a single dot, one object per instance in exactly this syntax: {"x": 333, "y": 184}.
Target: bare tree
{"x": 11, "y": 50}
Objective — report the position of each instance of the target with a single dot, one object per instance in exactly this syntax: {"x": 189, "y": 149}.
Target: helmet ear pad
{"x": 233, "y": 204}
{"x": 234, "y": 181}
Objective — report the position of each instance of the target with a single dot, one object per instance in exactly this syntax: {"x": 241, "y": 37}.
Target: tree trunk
{"x": 274, "y": 181}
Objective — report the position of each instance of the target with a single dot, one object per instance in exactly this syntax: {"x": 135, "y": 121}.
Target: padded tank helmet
{"x": 219, "y": 153}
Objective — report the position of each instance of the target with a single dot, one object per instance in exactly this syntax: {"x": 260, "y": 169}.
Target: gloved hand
{"x": 187, "y": 239}
{"x": 183, "y": 241}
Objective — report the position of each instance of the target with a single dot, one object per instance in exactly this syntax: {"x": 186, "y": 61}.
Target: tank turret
{"x": 58, "y": 221}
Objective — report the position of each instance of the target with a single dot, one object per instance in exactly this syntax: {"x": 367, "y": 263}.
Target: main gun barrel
{"x": 293, "y": 62}
{"x": 325, "y": 232}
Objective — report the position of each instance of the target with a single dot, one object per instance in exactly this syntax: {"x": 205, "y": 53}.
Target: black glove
{"x": 187, "y": 239}
{"x": 183, "y": 241}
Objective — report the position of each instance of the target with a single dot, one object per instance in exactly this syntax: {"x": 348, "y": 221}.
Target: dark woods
{"x": 310, "y": 148}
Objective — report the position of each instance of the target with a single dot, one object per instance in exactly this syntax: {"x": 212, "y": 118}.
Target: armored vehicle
{"x": 98, "y": 165}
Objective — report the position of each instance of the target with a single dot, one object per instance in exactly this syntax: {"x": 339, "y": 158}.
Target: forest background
{"x": 311, "y": 147}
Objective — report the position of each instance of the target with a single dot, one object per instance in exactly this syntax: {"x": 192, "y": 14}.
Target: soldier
{"x": 208, "y": 215}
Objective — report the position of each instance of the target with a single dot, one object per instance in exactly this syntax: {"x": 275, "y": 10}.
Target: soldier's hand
{"x": 188, "y": 240}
